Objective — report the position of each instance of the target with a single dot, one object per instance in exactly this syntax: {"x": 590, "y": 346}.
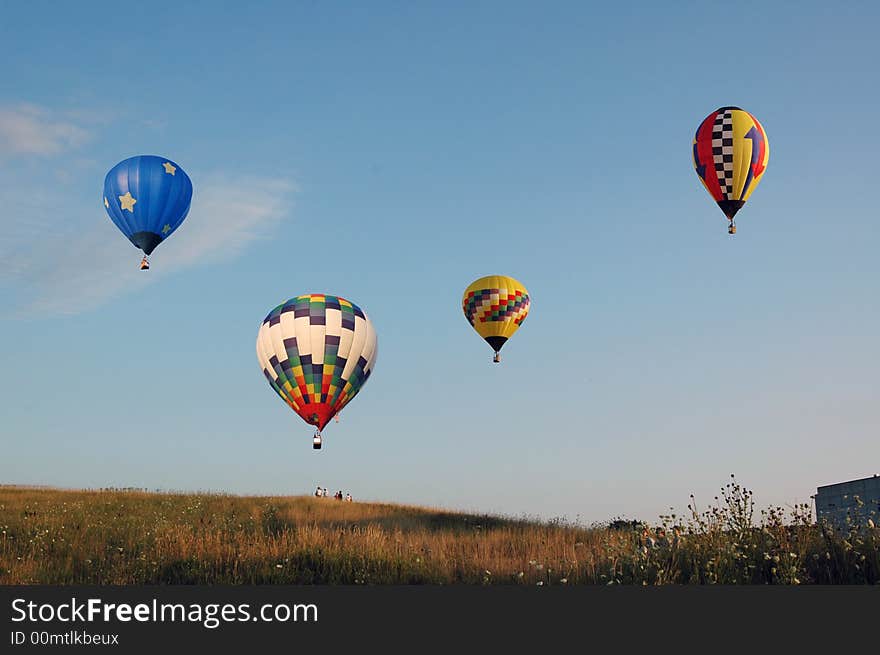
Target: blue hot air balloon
{"x": 147, "y": 198}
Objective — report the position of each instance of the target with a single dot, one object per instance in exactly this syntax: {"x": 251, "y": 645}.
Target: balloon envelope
{"x": 495, "y": 306}
{"x": 730, "y": 152}
{"x": 317, "y": 351}
{"x": 147, "y": 198}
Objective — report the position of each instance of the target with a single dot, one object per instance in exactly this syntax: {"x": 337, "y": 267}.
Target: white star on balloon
{"x": 127, "y": 201}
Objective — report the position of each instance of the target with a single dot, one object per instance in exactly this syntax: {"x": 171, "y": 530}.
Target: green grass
{"x": 52, "y": 536}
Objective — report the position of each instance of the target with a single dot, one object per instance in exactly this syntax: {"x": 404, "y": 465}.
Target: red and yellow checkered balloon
{"x": 730, "y": 152}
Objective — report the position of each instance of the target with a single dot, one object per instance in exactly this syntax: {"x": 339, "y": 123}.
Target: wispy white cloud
{"x": 70, "y": 269}
{"x": 228, "y": 214}
{"x": 31, "y": 130}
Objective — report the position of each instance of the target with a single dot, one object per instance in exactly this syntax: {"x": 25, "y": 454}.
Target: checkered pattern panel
{"x": 722, "y": 151}
{"x": 496, "y": 305}
{"x": 350, "y": 387}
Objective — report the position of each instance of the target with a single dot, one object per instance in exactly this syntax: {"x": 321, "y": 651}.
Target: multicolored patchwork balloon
{"x": 317, "y": 351}
{"x": 731, "y": 152}
{"x": 147, "y": 198}
{"x": 495, "y": 306}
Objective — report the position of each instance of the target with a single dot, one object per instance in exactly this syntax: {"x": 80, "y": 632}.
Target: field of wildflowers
{"x": 132, "y": 537}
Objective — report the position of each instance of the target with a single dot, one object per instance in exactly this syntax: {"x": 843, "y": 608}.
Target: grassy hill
{"x": 50, "y": 536}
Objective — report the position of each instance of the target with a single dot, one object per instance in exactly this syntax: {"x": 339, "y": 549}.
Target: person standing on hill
{"x": 318, "y": 492}
{"x": 348, "y": 498}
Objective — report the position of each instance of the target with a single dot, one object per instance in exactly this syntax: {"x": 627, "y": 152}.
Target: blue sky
{"x": 392, "y": 153}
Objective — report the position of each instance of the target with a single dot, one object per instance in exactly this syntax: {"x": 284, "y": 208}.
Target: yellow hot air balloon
{"x": 731, "y": 152}
{"x": 496, "y": 305}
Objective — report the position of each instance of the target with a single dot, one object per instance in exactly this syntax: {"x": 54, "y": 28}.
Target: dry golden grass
{"x": 128, "y": 537}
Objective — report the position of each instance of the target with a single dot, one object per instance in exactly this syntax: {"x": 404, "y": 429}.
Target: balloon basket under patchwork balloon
{"x": 731, "y": 229}
{"x": 316, "y": 442}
